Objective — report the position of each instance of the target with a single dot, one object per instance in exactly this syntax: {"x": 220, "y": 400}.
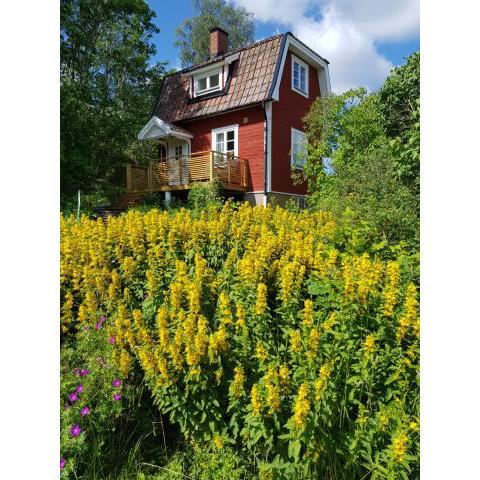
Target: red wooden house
{"x": 236, "y": 117}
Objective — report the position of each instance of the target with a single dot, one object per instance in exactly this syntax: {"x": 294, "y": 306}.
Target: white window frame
{"x": 196, "y": 79}
{"x": 225, "y": 129}
{"x": 294, "y": 132}
{"x": 305, "y": 66}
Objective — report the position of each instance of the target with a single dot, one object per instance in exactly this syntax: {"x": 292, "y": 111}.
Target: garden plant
{"x": 286, "y": 339}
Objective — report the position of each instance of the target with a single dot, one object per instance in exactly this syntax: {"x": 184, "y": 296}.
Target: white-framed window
{"x": 299, "y": 76}
{"x": 208, "y": 82}
{"x": 298, "y": 150}
{"x": 225, "y": 139}
{"x": 178, "y": 151}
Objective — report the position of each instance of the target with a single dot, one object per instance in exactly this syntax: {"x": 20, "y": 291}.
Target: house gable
{"x": 287, "y": 114}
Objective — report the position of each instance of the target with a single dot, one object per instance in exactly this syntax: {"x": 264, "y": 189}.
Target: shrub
{"x": 280, "y": 335}
{"x": 204, "y": 195}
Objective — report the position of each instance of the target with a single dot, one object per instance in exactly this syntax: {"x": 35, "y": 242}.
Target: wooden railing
{"x": 178, "y": 173}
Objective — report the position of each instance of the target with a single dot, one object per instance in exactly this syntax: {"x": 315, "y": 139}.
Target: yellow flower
{"x": 236, "y": 387}
{"x": 218, "y": 442}
{"x": 301, "y": 407}
{"x": 383, "y": 421}
{"x": 261, "y": 352}
{"x": 261, "y": 302}
{"x": 369, "y": 345}
{"x": 414, "y": 426}
{"x": 295, "y": 341}
{"x": 313, "y": 343}
{"x": 399, "y": 447}
{"x": 391, "y": 290}
{"x": 410, "y": 315}
{"x": 308, "y": 313}
{"x": 284, "y": 375}
{"x": 256, "y": 400}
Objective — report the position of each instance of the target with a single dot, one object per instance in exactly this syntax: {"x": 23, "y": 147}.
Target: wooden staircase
{"x": 121, "y": 204}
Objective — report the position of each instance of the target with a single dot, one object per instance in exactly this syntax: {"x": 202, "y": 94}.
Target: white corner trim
{"x": 268, "y": 110}
{"x": 305, "y": 54}
{"x": 223, "y": 129}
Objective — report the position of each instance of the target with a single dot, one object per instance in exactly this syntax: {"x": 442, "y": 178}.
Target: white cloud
{"x": 345, "y": 32}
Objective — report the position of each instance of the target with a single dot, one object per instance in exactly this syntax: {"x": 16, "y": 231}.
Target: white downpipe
{"x": 265, "y": 199}
{"x": 168, "y": 197}
{"x": 78, "y": 206}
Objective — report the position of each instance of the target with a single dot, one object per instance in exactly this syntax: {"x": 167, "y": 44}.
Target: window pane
{"x": 231, "y": 135}
{"x": 214, "y": 80}
{"x": 202, "y": 83}
{"x": 230, "y": 146}
{"x": 220, "y": 145}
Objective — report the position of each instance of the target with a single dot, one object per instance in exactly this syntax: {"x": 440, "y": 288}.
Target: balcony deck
{"x": 179, "y": 173}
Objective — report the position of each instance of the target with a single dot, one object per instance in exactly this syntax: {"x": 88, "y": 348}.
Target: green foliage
{"x": 399, "y": 97}
{"x": 192, "y": 36}
{"x": 192, "y": 298}
{"x": 202, "y": 196}
{"x": 372, "y": 174}
{"x": 106, "y": 88}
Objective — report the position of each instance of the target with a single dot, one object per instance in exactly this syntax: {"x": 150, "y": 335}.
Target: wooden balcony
{"x": 179, "y": 173}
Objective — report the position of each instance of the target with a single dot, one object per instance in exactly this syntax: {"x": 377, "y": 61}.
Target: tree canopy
{"x": 192, "y": 35}
{"x": 372, "y": 142}
{"x": 107, "y": 87}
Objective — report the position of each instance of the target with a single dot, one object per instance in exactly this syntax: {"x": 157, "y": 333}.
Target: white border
{"x": 301, "y": 63}
{"x": 223, "y": 129}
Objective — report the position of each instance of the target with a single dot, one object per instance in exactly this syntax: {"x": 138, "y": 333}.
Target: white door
{"x": 178, "y": 163}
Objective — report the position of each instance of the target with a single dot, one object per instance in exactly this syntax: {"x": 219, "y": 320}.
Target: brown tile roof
{"x": 250, "y": 81}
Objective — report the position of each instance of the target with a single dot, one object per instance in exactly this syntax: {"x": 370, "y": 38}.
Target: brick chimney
{"x": 218, "y": 42}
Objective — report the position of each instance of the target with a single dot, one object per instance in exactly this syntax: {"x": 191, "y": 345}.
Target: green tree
{"x": 106, "y": 87}
{"x": 192, "y": 35}
{"x": 372, "y": 142}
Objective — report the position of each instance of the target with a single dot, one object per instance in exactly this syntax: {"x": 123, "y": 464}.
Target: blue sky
{"x": 362, "y": 39}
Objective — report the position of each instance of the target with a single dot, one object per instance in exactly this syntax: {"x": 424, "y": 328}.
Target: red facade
{"x": 250, "y": 123}
{"x": 287, "y": 113}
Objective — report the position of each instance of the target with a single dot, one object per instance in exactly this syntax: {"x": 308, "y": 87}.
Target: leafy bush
{"x": 372, "y": 143}
{"x": 204, "y": 195}
{"x": 279, "y": 335}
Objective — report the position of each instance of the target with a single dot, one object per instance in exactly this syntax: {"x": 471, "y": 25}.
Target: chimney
{"x": 218, "y": 42}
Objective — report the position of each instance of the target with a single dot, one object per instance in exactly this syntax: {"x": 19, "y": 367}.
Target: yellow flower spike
{"x": 295, "y": 341}
{"x": 313, "y": 343}
{"x": 391, "y": 290}
{"x": 369, "y": 345}
{"x": 409, "y": 318}
{"x": 194, "y": 298}
{"x": 218, "y": 442}
{"x": 236, "y": 387}
{"x": 284, "y": 375}
{"x": 301, "y": 407}
{"x": 256, "y": 400}
{"x": 330, "y": 322}
{"x": 162, "y": 328}
{"x": 399, "y": 447}
{"x": 261, "y": 352}
{"x": 383, "y": 421}
{"x": 308, "y": 313}
{"x": 224, "y": 305}
{"x": 261, "y": 302}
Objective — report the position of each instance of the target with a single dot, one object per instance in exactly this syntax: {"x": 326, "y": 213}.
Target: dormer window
{"x": 208, "y": 82}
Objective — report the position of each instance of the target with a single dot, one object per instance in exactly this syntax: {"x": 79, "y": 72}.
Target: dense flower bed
{"x": 277, "y": 333}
